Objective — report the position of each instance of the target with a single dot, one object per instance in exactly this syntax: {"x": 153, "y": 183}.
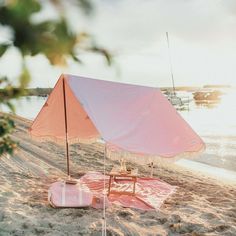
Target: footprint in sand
{"x": 125, "y": 214}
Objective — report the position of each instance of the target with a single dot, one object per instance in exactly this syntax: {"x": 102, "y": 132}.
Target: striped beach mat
{"x": 149, "y": 195}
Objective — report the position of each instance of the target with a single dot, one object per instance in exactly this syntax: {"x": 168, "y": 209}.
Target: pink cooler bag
{"x": 61, "y": 194}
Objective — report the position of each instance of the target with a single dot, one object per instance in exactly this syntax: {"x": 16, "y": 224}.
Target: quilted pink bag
{"x": 62, "y": 194}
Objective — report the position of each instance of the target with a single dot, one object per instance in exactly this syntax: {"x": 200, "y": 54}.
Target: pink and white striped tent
{"x": 137, "y": 119}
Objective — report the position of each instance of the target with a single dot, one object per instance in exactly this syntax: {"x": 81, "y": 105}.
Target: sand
{"x": 200, "y": 206}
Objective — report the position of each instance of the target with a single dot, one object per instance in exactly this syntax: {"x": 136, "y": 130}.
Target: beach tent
{"x": 137, "y": 119}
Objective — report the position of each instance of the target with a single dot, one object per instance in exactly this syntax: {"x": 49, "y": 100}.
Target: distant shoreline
{"x": 42, "y": 92}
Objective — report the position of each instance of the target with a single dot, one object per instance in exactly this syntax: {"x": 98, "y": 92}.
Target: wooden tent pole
{"x": 66, "y": 130}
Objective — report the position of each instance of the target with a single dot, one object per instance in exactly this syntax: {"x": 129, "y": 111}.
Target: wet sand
{"x": 200, "y": 206}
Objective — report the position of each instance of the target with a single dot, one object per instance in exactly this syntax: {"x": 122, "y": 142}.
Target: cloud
{"x": 202, "y": 34}
{"x": 202, "y": 39}
{"x": 140, "y": 22}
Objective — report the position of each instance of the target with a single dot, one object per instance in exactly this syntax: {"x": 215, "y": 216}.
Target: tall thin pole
{"x": 66, "y": 130}
{"x": 104, "y": 223}
{"x": 171, "y": 68}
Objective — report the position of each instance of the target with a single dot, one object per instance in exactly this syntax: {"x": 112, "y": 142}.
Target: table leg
{"x": 135, "y": 179}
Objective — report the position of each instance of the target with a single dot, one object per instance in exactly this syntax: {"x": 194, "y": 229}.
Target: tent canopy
{"x": 134, "y": 118}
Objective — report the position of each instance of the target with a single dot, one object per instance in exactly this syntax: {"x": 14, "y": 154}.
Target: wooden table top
{"x": 116, "y": 172}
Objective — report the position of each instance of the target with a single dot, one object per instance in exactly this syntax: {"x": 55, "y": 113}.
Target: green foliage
{"x": 38, "y": 91}
{"x": 3, "y": 48}
{"x": 24, "y": 78}
{"x": 53, "y": 38}
{"x": 7, "y": 145}
{"x": 50, "y": 38}
{"x": 9, "y": 92}
{"x": 103, "y": 51}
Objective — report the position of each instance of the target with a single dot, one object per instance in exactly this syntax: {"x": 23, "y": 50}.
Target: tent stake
{"x": 66, "y": 130}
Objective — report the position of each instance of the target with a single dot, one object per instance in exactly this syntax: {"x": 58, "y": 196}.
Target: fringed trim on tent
{"x": 147, "y": 159}
{"x": 62, "y": 141}
{"x": 116, "y": 153}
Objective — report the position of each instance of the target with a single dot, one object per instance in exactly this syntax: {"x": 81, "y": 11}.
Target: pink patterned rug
{"x": 150, "y": 192}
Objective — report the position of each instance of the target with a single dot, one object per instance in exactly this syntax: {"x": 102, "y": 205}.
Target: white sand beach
{"x": 200, "y": 206}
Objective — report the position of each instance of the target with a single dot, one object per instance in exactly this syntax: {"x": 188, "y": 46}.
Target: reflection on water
{"x": 215, "y": 123}
{"x": 207, "y": 103}
{"x": 213, "y": 119}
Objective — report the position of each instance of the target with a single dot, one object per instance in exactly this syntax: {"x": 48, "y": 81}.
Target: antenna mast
{"x": 171, "y": 68}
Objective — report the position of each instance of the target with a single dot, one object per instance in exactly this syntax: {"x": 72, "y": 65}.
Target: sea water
{"x": 214, "y": 122}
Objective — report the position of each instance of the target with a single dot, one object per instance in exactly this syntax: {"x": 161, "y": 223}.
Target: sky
{"x": 202, "y": 37}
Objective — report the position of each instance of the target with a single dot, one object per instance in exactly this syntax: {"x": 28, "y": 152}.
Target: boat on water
{"x": 180, "y": 103}
{"x": 207, "y": 95}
